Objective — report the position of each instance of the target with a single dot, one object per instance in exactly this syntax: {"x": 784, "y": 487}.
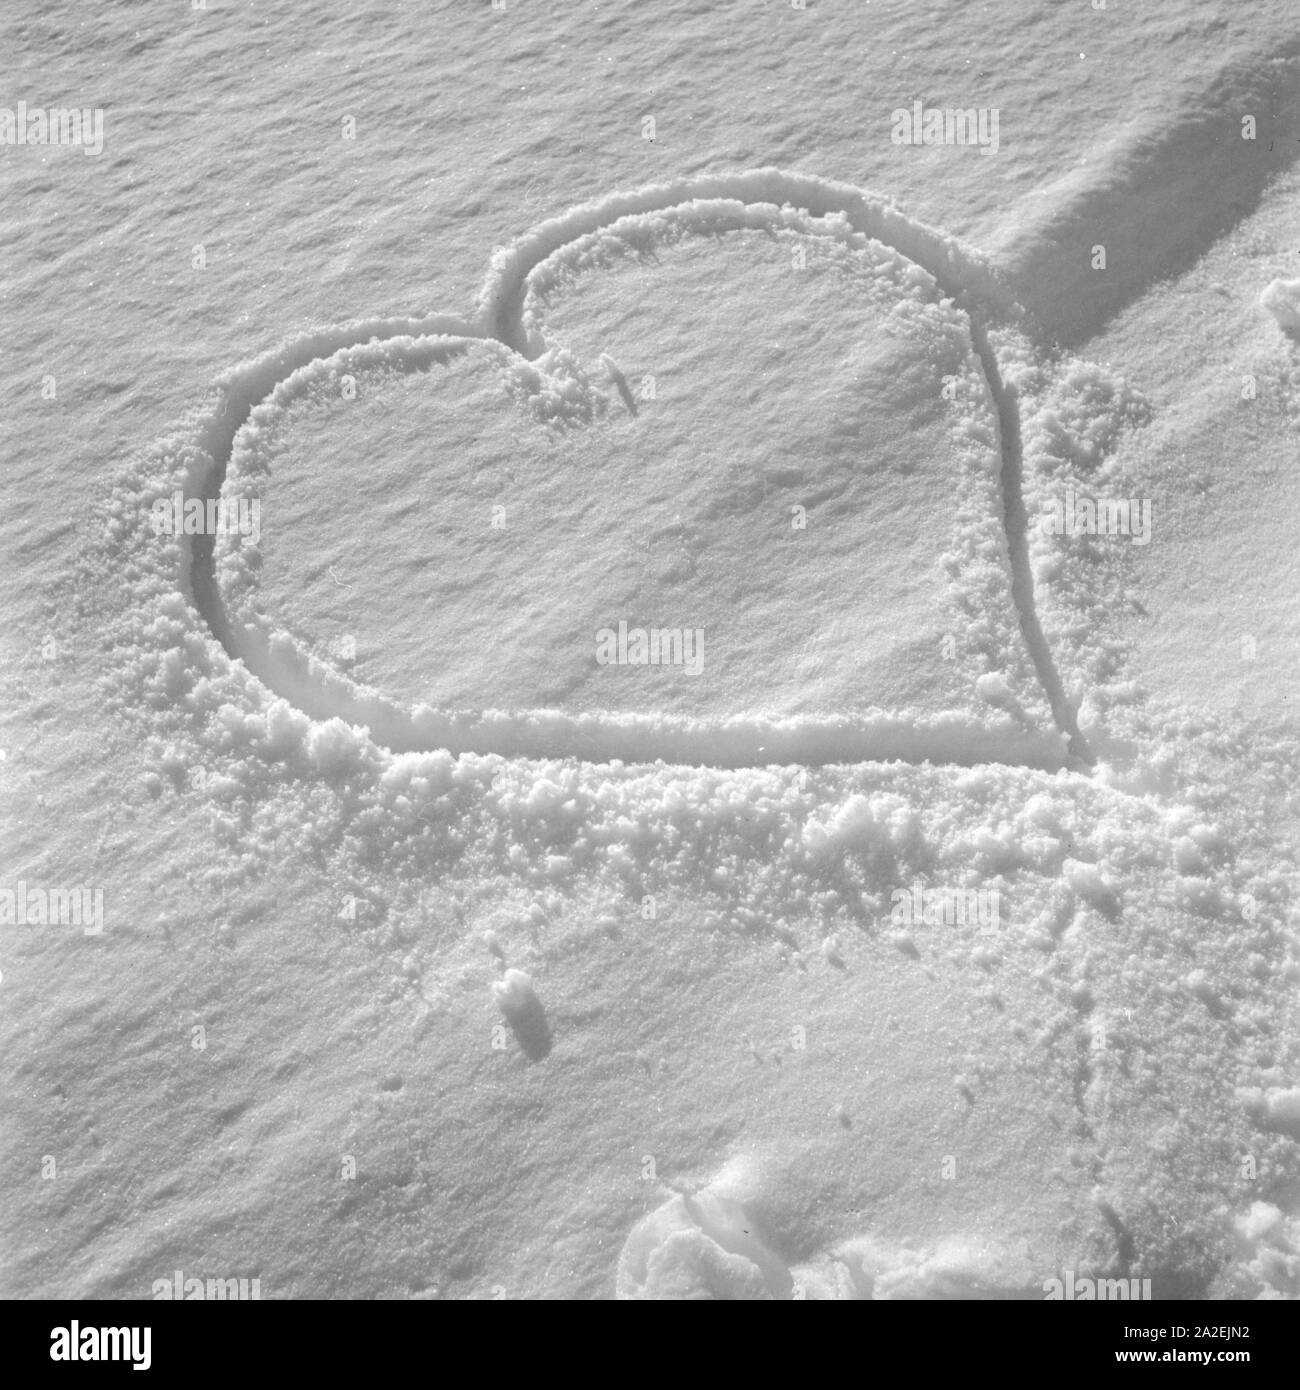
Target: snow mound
{"x": 1282, "y": 299}
{"x": 707, "y": 1246}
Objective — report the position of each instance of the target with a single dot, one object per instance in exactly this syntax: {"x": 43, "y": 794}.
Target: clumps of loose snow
{"x": 555, "y": 389}
{"x": 1094, "y": 907}
{"x": 1268, "y": 1256}
{"x": 1074, "y": 421}
{"x": 1090, "y": 883}
{"x": 1282, "y": 299}
{"x": 707, "y": 1245}
{"x": 958, "y": 1267}
{"x": 992, "y": 687}
{"x": 700, "y": 1246}
{"x": 1276, "y": 1107}
{"x": 523, "y": 1011}
{"x": 514, "y": 994}
{"x": 882, "y": 823}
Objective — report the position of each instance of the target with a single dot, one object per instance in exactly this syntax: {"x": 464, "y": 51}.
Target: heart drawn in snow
{"x": 922, "y": 316}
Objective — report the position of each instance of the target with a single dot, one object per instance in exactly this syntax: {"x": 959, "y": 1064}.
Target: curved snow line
{"x": 957, "y": 268}
{"x": 241, "y": 389}
{"x": 1015, "y": 522}
{"x": 735, "y": 742}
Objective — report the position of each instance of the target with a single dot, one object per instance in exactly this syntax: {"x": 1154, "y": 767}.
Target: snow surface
{"x": 440, "y": 961}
